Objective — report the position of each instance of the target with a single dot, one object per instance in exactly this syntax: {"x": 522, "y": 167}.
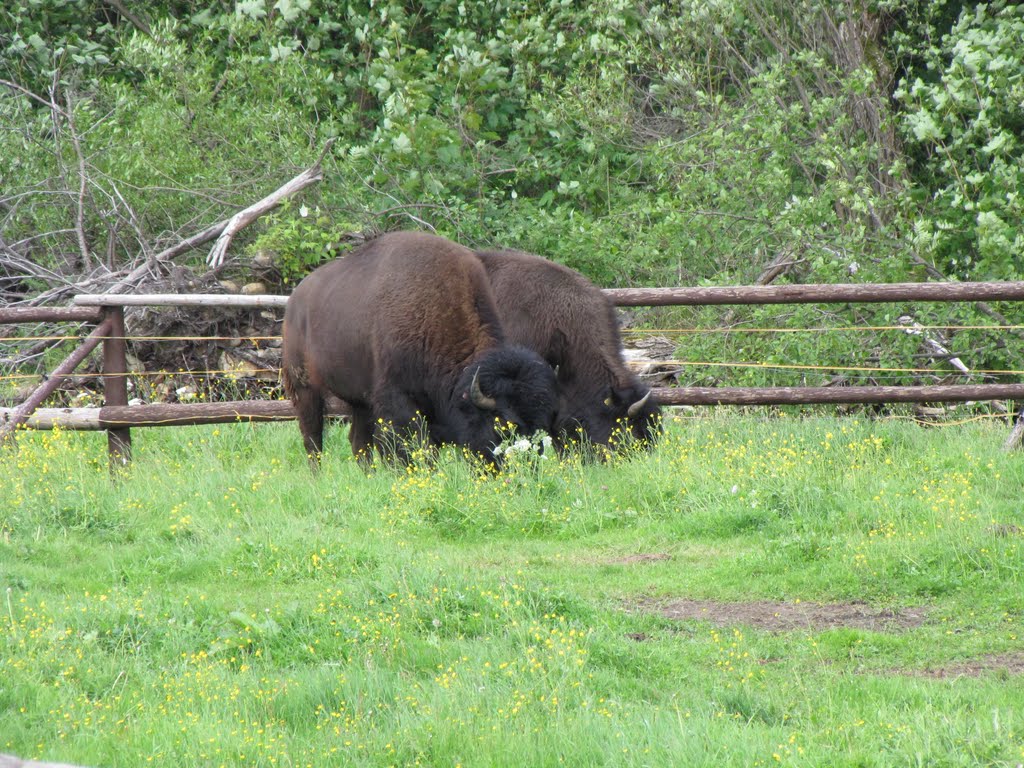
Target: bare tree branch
{"x": 82, "y": 182}
{"x": 245, "y": 217}
{"x": 135, "y": 21}
{"x": 33, "y": 96}
{"x": 982, "y": 306}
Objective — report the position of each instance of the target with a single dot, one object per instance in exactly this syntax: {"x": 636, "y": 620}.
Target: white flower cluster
{"x": 538, "y": 444}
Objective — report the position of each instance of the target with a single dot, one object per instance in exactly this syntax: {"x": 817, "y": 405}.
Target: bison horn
{"x": 480, "y": 400}
{"x": 635, "y": 408}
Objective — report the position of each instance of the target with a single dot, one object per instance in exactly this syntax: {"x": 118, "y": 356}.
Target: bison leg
{"x": 309, "y": 410}
{"x": 395, "y": 433}
{"x": 360, "y": 434}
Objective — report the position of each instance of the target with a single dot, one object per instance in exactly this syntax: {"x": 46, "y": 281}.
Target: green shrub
{"x": 963, "y": 118}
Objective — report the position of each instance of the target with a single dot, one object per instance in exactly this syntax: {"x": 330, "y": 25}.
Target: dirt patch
{"x": 653, "y": 557}
{"x": 787, "y": 617}
{"x": 1002, "y": 663}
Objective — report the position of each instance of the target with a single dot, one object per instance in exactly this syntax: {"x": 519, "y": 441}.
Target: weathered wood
{"x": 21, "y": 413}
{"x": 837, "y": 293}
{"x": 179, "y": 300}
{"x": 115, "y": 385}
{"x": 166, "y": 414}
{"x": 11, "y": 315}
{"x": 245, "y": 217}
{"x": 835, "y": 395}
{"x": 1013, "y": 440}
{"x": 184, "y": 414}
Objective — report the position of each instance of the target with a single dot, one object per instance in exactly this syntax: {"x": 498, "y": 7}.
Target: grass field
{"x": 756, "y": 592}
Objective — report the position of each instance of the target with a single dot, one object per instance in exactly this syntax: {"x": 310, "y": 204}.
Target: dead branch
{"x": 778, "y": 266}
{"x": 135, "y": 21}
{"x": 158, "y": 262}
{"x": 58, "y": 118}
{"x": 1014, "y": 440}
{"x": 984, "y": 307}
{"x": 82, "y": 182}
{"x": 35, "y": 97}
{"x": 118, "y": 202}
{"x": 127, "y": 280}
{"x": 13, "y": 262}
{"x": 245, "y": 217}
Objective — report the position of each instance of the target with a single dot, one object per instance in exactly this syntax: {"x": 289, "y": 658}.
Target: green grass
{"x": 220, "y": 605}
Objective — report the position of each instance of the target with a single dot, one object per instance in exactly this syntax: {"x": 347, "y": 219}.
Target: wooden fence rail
{"x": 838, "y": 293}
{"x": 19, "y": 415}
{"x": 117, "y": 417}
{"x": 83, "y": 314}
{"x": 167, "y": 414}
{"x": 952, "y": 393}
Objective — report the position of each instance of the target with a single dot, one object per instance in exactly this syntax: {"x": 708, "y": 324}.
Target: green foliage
{"x": 964, "y": 116}
{"x": 300, "y": 240}
{"x": 596, "y": 138}
{"x": 43, "y": 42}
{"x": 677, "y": 143}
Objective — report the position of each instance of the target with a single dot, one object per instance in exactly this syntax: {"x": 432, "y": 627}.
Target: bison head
{"x": 619, "y": 414}
{"x": 505, "y": 386}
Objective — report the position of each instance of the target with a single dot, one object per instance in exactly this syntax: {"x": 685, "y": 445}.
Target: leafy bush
{"x": 300, "y": 239}
{"x": 963, "y": 117}
{"x": 662, "y": 144}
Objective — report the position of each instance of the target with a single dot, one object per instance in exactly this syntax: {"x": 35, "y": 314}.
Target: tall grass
{"x": 218, "y": 604}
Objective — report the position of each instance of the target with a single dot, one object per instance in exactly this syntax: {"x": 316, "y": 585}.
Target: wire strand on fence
{"x": 77, "y": 337}
{"x": 144, "y": 338}
{"x": 707, "y": 413}
{"x": 250, "y": 372}
{"x": 956, "y": 423}
{"x": 821, "y": 329}
{"x": 99, "y": 375}
{"x": 625, "y": 332}
{"x": 784, "y": 367}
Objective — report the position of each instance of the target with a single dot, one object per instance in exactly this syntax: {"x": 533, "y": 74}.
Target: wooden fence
{"x": 117, "y": 417}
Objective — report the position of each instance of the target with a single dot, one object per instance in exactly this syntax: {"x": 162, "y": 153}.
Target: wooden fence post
{"x": 20, "y": 414}
{"x": 115, "y": 385}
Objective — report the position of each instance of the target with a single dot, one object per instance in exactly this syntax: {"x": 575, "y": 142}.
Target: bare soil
{"x": 640, "y": 558}
{"x": 771, "y": 616}
{"x": 1003, "y": 663}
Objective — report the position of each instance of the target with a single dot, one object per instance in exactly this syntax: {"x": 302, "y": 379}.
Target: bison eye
{"x": 609, "y": 402}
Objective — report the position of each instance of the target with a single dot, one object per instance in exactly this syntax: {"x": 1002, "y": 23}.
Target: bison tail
{"x": 293, "y": 378}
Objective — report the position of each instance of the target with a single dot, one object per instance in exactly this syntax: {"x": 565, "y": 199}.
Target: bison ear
{"x": 610, "y": 398}
{"x": 619, "y": 396}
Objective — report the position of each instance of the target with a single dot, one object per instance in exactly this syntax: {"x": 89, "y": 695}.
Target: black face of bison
{"x": 565, "y": 318}
{"x": 509, "y": 388}
{"x": 622, "y": 415}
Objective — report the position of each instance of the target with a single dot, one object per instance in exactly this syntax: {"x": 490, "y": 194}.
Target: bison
{"x": 561, "y": 315}
{"x": 405, "y": 329}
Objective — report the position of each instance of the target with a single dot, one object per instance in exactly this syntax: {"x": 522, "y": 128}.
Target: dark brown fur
{"x": 565, "y": 318}
{"x": 397, "y": 329}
